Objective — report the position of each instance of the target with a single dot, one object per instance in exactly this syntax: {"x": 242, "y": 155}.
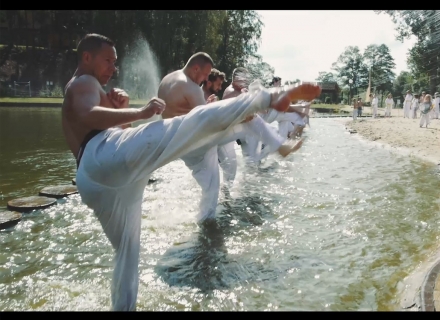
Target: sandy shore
{"x": 400, "y": 134}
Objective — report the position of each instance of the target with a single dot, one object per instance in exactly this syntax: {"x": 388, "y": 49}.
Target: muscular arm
{"x": 85, "y": 101}
{"x": 195, "y": 97}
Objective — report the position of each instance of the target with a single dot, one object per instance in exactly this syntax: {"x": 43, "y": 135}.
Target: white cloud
{"x": 300, "y": 44}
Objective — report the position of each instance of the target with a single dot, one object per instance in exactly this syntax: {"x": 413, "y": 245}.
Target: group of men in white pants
{"x": 115, "y": 160}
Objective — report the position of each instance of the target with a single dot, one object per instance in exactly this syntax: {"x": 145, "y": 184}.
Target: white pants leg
{"x": 116, "y": 165}
{"x": 406, "y": 109}
{"x": 285, "y": 120}
{"x": 424, "y": 119}
{"x": 252, "y": 134}
{"x": 228, "y": 162}
{"x": 205, "y": 170}
{"x": 355, "y": 113}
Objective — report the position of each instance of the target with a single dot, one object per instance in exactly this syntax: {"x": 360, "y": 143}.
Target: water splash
{"x": 141, "y": 77}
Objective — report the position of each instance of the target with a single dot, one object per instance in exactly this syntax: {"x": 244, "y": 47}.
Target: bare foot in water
{"x": 289, "y": 147}
{"x": 282, "y": 99}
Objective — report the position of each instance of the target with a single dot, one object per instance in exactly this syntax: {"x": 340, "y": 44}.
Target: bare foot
{"x": 306, "y": 91}
{"x": 289, "y": 147}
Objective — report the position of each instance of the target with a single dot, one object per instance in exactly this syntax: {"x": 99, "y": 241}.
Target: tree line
{"x": 230, "y": 37}
{"x": 353, "y": 69}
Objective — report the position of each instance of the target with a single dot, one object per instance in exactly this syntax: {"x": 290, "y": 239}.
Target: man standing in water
{"x": 181, "y": 92}
{"x": 114, "y": 163}
{"x": 226, "y": 153}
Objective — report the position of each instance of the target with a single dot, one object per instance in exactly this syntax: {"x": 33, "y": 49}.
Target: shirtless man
{"x": 181, "y": 92}
{"x": 226, "y": 153}
{"x": 214, "y": 83}
{"x": 115, "y": 160}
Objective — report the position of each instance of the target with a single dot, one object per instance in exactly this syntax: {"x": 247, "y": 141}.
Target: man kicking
{"x": 115, "y": 160}
{"x": 226, "y": 153}
{"x": 181, "y": 92}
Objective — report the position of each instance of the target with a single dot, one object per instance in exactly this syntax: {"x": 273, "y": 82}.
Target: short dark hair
{"x": 92, "y": 42}
{"x": 215, "y": 74}
{"x": 200, "y": 59}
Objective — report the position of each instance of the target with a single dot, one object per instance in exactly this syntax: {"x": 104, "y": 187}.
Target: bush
{"x": 328, "y": 100}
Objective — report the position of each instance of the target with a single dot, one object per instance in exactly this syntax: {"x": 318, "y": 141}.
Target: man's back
{"x": 180, "y": 94}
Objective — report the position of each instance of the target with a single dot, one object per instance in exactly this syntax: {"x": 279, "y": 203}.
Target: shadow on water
{"x": 202, "y": 261}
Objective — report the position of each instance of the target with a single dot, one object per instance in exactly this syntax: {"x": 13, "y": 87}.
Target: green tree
{"x": 425, "y": 26}
{"x": 381, "y": 64}
{"x": 326, "y": 77}
{"x": 350, "y": 71}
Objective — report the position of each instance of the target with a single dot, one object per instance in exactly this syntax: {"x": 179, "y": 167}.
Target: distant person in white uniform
{"x": 425, "y": 108}
{"x": 389, "y": 105}
{"x": 374, "y": 105}
{"x": 436, "y": 106}
{"x": 414, "y": 107}
{"x": 407, "y": 103}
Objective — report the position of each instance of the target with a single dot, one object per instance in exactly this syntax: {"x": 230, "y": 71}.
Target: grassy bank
{"x": 24, "y": 101}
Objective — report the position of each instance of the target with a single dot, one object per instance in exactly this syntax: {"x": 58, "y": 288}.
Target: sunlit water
{"x": 336, "y": 226}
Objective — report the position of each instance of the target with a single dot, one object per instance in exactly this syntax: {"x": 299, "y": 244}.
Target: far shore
{"x": 400, "y": 134}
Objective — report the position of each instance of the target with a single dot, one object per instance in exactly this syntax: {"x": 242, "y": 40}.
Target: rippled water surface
{"x": 336, "y": 226}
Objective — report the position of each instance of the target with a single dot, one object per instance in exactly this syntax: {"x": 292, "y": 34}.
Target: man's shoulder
{"x": 82, "y": 82}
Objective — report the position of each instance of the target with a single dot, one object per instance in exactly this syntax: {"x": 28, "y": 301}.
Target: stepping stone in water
{"x": 74, "y": 181}
{"x": 60, "y": 191}
{"x": 9, "y": 219}
{"x": 28, "y": 204}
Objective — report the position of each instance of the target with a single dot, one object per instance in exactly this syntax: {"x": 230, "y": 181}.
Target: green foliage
{"x": 230, "y": 37}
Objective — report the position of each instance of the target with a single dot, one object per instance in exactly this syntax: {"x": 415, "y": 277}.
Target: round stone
{"x": 60, "y": 191}
{"x": 9, "y": 219}
{"x": 30, "y": 203}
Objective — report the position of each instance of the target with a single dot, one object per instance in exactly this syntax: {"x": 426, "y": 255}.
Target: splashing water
{"x": 141, "y": 76}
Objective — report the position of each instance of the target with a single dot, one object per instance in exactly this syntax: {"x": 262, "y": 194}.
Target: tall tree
{"x": 381, "y": 64}
{"x": 351, "y": 70}
{"x": 425, "y": 26}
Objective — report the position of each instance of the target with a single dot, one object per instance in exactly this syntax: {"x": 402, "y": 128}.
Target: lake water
{"x": 336, "y": 226}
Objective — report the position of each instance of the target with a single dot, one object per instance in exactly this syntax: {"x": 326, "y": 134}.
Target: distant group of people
{"x": 428, "y": 107}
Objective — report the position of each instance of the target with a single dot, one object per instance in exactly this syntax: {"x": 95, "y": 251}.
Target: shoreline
{"x": 400, "y": 135}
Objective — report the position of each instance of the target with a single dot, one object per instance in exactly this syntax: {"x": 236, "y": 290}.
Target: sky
{"x": 301, "y": 43}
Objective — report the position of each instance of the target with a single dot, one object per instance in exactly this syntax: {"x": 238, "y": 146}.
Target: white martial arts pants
{"x": 227, "y": 159}
{"x": 387, "y": 111}
{"x": 406, "y": 107}
{"x": 285, "y": 121}
{"x": 424, "y": 119}
{"x": 205, "y": 167}
{"x": 374, "y": 111}
{"x": 413, "y": 113}
{"x": 116, "y": 165}
{"x": 355, "y": 114}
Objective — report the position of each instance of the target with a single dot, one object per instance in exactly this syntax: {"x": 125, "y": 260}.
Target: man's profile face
{"x": 202, "y": 74}
{"x": 102, "y": 63}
